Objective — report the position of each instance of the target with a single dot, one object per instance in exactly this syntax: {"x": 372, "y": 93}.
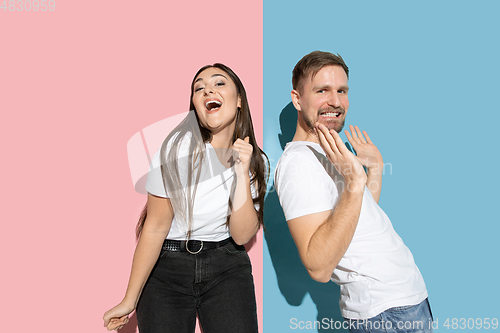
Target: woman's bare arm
{"x": 156, "y": 228}
{"x": 244, "y": 222}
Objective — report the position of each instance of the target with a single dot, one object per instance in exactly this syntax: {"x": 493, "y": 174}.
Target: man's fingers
{"x": 367, "y": 137}
{"x": 339, "y": 143}
{"x": 326, "y": 139}
{"x": 358, "y": 132}
{"x": 350, "y": 138}
{"x": 354, "y": 134}
{"x": 325, "y": 144}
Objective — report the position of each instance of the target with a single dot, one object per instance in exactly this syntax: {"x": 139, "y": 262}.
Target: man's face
{"x": 323, "y": 98}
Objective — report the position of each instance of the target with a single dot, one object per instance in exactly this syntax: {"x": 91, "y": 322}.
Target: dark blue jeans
{"x": 216, "y": 284}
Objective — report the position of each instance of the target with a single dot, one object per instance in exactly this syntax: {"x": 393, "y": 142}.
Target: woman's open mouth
{"x": 213, "y": 105}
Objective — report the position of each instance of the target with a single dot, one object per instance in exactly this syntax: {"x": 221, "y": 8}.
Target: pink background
{"x": 75, "y": 85}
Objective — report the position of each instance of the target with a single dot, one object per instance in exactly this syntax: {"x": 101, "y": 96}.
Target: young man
{"x": 331, "y": 207}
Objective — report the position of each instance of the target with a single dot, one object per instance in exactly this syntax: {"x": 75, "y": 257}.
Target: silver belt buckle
{"x": 187, "y": 247}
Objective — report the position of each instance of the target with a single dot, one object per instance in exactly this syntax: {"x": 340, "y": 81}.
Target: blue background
{"x": 424, "y": 85}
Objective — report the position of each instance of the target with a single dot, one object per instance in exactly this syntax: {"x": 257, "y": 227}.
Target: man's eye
{"x": 321, "y": 91}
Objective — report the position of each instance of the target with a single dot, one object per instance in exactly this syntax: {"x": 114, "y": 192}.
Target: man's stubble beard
{"x": 335, "y": 125}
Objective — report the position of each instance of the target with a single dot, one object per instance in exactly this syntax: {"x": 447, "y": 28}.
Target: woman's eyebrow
{"x": 200, "y": 79}
{"x": 219, "y": 75}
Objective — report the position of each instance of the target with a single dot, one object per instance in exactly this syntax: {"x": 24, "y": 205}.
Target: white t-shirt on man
{"x": 377, "y": 272}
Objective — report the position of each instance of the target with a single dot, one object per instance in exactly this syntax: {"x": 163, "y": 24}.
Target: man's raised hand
{"x": 367, "y": 153}
{"x": 342, "y": 159}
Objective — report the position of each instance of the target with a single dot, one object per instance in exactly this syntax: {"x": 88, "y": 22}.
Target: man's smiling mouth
{"x": 330, "y": 114}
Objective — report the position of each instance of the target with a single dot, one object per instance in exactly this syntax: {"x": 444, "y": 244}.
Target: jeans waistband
{"x": 193, "y": 246}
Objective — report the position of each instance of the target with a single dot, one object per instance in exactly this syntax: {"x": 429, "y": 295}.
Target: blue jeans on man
{"x": 411, "y": 319}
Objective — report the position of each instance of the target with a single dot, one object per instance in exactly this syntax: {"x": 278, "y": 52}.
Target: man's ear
{"x": 296, "y": 99}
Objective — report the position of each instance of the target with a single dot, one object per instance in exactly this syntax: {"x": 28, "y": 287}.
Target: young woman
{"x": 206, "y": 195}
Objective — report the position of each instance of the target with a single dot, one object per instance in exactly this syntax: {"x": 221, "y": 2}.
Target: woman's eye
{"x": 198, "y": 89}
{"x": 220, "y": 83}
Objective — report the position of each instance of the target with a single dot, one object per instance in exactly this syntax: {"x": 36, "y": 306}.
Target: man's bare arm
{"x": 322, "y": 238}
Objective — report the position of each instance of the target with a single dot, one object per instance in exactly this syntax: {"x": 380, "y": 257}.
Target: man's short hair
{"x": 312, "y": 63}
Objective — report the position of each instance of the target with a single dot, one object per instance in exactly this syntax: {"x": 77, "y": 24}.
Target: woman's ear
{"x": 239, "y": 101}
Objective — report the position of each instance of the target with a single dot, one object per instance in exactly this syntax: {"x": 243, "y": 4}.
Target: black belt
{"x": 192, "y": 246}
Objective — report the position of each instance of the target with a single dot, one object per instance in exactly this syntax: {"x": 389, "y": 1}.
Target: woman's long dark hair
{"x": 182, "y": 195}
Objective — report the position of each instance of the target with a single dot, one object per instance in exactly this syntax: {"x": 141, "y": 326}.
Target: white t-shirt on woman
{"x": 212, "y": 194}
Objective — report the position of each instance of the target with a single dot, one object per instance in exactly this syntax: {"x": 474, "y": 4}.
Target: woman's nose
{"x": 207, "y": 90}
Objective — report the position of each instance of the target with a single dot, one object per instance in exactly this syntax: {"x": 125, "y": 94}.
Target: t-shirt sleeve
{"x": 302, "y": 187}
{"x": 154, "y": 183}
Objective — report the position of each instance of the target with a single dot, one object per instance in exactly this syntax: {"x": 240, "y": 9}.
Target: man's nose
{"x": 334, "y": 100}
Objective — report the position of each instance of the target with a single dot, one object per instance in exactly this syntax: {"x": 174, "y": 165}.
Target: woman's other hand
{"x": 117, "y": 317}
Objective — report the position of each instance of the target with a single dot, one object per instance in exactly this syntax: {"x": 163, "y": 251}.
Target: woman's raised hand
{"x": 242, "y": 150}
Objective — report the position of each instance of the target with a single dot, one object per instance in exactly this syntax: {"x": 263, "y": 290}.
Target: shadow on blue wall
{"x": 293, "y": 280}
